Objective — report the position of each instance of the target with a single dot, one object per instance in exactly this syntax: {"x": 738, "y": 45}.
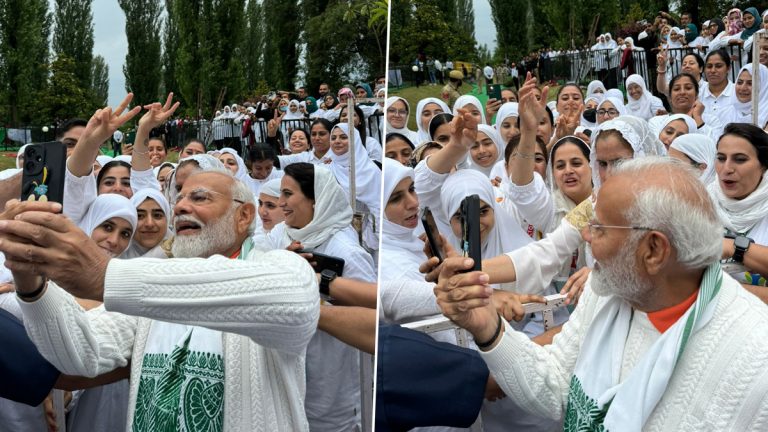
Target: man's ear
{"x": 244, "y": 216}
{"x": 656, "y": 253}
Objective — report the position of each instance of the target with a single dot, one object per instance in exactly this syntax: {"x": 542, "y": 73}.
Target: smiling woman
{"x": 110, "y": 221}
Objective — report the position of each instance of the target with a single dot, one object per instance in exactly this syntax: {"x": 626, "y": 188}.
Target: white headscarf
{"x": 465, "y": 100}
{"x": 584, "y": 122}
{"x": 367, "y": 174}
{"x": 332, "y": 212}
{"x": 701, "y": 149}
{"x": 401, "y": 249}
{"x": 496, "y": 138}
{"x": 242, "y": 171}
{"x": 411, "y": 135}
{"x": 125, "y": 158}
{"x": 108, "y": 206}
{"x": 659, "y": 123}
{"x": 135, "y": 250}
{"x": 596, "y": 85}
{"x": 618, "y": 104}
{"x": 636, "y": 132}
{"x": 615, "y": 93}
{"x": 293, "y": 115}
{"x": 104, "y": 159}
{"x": 741, "y": 112}
{"x": 506, "y": 234}
{"x": 640, "y": 107}
{"x": 20, "y": 154}
{"x": 741, "y": 215}
{"x": 509, "y": 109}
{"x": 423, "y": 134}
{"x": 272, "y": 187}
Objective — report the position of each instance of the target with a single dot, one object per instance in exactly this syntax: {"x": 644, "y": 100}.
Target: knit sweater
{"x": 266, "y": 306}
{"x": 720, "y": 382}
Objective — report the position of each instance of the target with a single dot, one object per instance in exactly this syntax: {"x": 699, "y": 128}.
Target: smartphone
{"x": 494, "y": 91}
{"x": 433, "y": 235}
{"x": 470, "y": 228}
{"x": 326, "y": 262}
{"x": 43, "y": 172}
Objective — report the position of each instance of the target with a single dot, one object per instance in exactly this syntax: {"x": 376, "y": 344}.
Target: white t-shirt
{"x": 488, "y": 72}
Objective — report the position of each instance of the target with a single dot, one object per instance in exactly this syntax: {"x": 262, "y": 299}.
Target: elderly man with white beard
{"x": 216, "y": 343}
{"x": 662, "y": 339}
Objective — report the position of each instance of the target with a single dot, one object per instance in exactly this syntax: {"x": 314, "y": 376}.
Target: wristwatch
{"x": 741, "y": 244}
{"x": 326, "y": 277}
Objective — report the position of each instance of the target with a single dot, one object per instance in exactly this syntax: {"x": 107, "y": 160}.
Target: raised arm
{"x": 522, "y": 162}
{"x": 155, "y": 116}
{"x": 463, "y": 136}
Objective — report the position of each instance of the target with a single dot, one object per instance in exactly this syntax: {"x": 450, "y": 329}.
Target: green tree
{"x": 465, "y": 16}
{"x": 73, "y": 36}
{"x": 170, "y": 40}
{"x": 65, "y": 98}
{"x": 142, "y": 63}
{"x": 428, "y": 30}
{"x": 254, "y": 44}
{"x": 281, "y": 56}
{"x": 24, "y": 29}
{"x": 100, "y": 81}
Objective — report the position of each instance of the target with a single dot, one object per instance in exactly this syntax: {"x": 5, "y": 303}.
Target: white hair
{"x": 242, "y": 192}
{"x": 683, "y": 210}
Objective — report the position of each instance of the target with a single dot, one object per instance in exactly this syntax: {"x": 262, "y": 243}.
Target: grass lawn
{"x": 8, "y": 158}
{"x": 413, "y": 95}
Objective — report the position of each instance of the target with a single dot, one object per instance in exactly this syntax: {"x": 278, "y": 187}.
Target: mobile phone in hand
{"x": 470, "y": 228}
{"x": 433, "y": 235}
{"x": 43, "y": 172}
{"x": 494, "y": 91}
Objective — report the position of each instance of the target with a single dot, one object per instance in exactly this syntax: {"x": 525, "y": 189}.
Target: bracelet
{"x": 661, "y": 71}
{"x": 483, "y": 345}
{"x": 33, "y": 294}
{"x": 524, "y": 155}
{"x": 140, "y": 153}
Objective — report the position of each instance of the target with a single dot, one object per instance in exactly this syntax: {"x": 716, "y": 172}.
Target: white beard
{"x": 213, "y": 238}
{"x": 618, "y": 276}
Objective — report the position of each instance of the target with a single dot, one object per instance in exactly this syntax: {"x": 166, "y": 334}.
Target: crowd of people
{"x": 196, "y": 295}
{"x": 648, "y": 214}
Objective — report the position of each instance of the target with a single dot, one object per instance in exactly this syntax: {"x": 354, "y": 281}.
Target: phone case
{"x": 430, "y": 228}
{"x": 470, "y": 222}
{"x": 43, "y": 172}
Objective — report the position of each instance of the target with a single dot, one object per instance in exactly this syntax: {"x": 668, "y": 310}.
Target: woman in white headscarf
{"x": 269, "y": 214}
{"x": 472, "y": 105}
{"x": 740, "y": 111}
{"x": 596, "y": 89}
{"x": 632, "y": 134}
{"x": 154, "y": 225}
{"x": 641, "y": 103}
{"x": 669, "y": 127}
{"x": 609, "y": 109}
{"x": 506, "y": 121}
{"x": 233, "y": 162}
{"x": 294, "y": 111}
{"x": 741, "y": 200}
{"x": 397, "y": 114}
{"x": 487, "y": 150}
{"x": 407, "y": 295}
{"x": 367, "y": 177}
{"x": 318, "y": 216}
{"x": 425, "y": 110}
{"x": 615, "y": 93}
{"x": 698, "y": 151}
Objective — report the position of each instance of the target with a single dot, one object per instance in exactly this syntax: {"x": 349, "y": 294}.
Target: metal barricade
{"x": 439, "y": 323}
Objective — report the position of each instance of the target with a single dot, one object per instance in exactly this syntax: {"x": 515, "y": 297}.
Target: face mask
{"x": 283, "y": 108}
{"x": 590, "y": 115}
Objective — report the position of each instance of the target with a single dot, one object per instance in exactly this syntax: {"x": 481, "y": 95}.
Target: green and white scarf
{"x": 597, "y": 400}
{"x": 181, "y": 387}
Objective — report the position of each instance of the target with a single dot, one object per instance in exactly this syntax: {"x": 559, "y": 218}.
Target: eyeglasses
{"x": 603, "y": 112}
{"x": 399, "y": 113}
{"x": 596, "y": 227}
{"x": 201, "y": 197}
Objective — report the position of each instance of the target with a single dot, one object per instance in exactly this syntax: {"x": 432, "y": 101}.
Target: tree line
{"x": 207, "y": 52}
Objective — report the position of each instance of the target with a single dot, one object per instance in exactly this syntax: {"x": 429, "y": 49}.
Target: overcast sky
{"x": 485, "y": 30}
{"x": 109, "y": 41}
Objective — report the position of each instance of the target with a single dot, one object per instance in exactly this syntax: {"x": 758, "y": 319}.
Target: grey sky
{"x": 109, "y": 41}
{"x": 485, "y": 30}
